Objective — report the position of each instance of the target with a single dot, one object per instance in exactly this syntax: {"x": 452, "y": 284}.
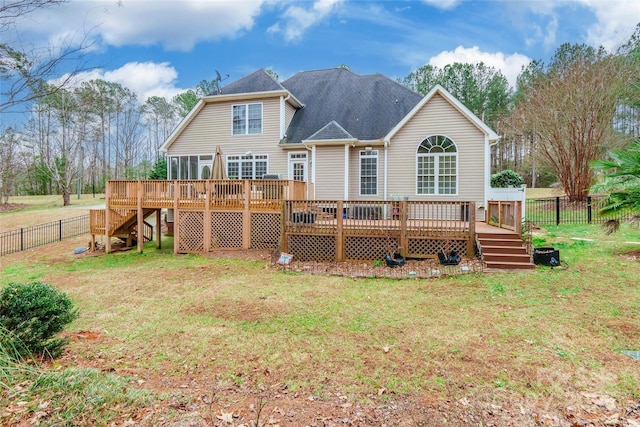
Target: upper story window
{"x": 437, "y": 166}
{"x": 369, "y": 173}
{"x": 247, "y": 119}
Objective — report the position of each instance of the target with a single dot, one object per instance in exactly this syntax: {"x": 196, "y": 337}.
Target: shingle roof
{"x": 366, "y": 106}
{"x": 258, "y": 81}
{"x": 331, "y": 131}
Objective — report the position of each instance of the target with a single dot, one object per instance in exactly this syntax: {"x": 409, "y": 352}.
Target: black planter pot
{"x": 452, "y": 259}
{"x": 396, "y": 261}
{"x": 546, "y": 256}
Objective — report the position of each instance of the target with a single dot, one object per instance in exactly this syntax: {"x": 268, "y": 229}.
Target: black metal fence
{"x": 42, "y": 234}
{"x": 559, "y": 210}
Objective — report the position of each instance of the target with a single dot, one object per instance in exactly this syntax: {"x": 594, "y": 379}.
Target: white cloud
{"x": 176, "y": 25}
{"x": 298, "y": 19}
{"x": 146, "y": 79}
{"x": 616, "y": 21}
{"x": 442, "y": 4}
{"x": 509, "y": 65}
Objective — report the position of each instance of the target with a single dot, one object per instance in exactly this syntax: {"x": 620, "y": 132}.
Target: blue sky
{"x": 165, "y": 47}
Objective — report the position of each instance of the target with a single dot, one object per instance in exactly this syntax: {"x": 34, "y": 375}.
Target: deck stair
{"x": 124, "y": 225}
{"x": 504, "y": 251}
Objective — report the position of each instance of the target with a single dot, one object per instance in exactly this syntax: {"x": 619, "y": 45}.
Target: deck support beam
{"x": 158, "y": 228}
{"x": 140, "y": 225}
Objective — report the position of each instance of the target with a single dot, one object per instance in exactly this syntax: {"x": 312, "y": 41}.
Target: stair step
{"x": 499, "y": 242}
{"x": 510, "y": 265}
{"x": 503, "y": 249}
{"x": 491, "y": 257}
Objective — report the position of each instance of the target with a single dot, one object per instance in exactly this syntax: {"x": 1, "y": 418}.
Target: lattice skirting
{"x": 265, "y": 230}
{"x": 358, "y": 248}
{"x": 226, "y": 230}
{"x": 312, "y": 248}
{"x": 191, "y": 234}
{"x": 422, "y": 248}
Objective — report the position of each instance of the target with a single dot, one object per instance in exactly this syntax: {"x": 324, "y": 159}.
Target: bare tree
{"x": 24, "y": 70}
{"x": 569, "y": 106}
{"x": 9, "y": 163}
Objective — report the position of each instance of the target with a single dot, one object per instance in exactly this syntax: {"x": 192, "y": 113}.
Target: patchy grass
{"x": 231, "y": 330}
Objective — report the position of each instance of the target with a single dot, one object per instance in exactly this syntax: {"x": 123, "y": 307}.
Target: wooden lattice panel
{"x": 421, "y": 248}
{"x": 312, "y": 248}
{"x": 190, "y": 232}
{"x": 265, "y": 230}
{"x": 226, "y": 230}
{"x": 358, "y": 248}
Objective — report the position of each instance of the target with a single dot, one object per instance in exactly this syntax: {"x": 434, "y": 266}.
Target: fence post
{"x": 589, "y": 209}
{"x": 60, "y": 229}
{"x": 557, "y": 210}
{"x": 21, "y": 239}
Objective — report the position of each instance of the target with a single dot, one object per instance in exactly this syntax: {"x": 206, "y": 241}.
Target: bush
{"x": 32, "y": 314}
{"x": 505, "y": 179}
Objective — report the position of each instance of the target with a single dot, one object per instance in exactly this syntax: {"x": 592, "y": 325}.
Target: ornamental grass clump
{"x": 31, "y": 315}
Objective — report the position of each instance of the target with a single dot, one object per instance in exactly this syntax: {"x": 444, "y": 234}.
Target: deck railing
{"x": 505, "y": 214}
{"x": 230, "y": 194}
{"x": 347, "y": 230}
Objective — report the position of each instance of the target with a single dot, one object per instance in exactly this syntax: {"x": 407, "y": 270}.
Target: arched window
{"x": 437, "y": 166}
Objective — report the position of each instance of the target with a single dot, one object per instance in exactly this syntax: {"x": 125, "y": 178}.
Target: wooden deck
{"x": 275, "y": 215}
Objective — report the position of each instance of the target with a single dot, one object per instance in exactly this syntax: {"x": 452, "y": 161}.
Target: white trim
{"x": 386, "y": 190}
{"x": 305, "y": 161}
{"x": 283, "y": 111}
{"x": 313, "y": 169}
{"x": 346, "y": 172}
{"x": 377, "y": 157}
{"x": 436, "y": 168}
{"x": 239, "y": 158}
{"x": 437, "y": 89}
{"x": 247, "y": 119}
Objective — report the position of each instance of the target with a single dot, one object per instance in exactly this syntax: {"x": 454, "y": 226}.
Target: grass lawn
{"x": 179, "y": 340}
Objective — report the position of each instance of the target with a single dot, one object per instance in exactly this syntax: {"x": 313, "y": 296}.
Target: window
{"x": 437, "y": 165}
{"x": 247, "y": 166}
{"x": 247, "y": 119}
{"x": 369, "y": 173}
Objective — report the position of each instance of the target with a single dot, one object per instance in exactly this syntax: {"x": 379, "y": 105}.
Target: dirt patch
{"x": 633, "y": 255}
{"x": 11, "y": 207}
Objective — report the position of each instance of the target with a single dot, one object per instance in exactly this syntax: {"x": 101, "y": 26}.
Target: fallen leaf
{"x": 381, "y": 391}
{"x": 226, "y": 417}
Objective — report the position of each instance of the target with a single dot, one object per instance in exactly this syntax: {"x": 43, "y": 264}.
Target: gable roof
{"x": 437, "y": 89}
{"x": 331, "y": 131}
{"x": 366, "y": 106}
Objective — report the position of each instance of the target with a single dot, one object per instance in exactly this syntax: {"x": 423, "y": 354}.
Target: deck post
{"x": 404, "y": 241}
{"x": 517, "y": 217}
{"x": 176, "y": 217}
{"x": 207, "y": 216}
{"x": 107, "y": 218}
{"x": 284, "y": 244}
{"x": 158, "y": 228}
{"x": 340, "y": 231}
{"x": 471, "y": 250}
{"x": 246, "y": 216}
{"x": 140, "y": 219}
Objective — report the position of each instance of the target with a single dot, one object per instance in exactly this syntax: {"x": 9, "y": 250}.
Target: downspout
{"x": 346, "y": 172}
{"x": 386, "y": 145}
{"x": 312, "y": 176}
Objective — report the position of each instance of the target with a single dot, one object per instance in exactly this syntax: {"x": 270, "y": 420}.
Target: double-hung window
{"x": 247, "y": 119}
{"x": 437, "y": 166}
{"x": 369, "y": 173}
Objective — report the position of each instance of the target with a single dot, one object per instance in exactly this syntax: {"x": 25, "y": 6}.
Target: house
{"x": 348, "y": 136}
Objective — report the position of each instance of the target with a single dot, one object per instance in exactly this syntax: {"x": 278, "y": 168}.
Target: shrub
{"x": 32, "y": 314}
{"x": 505, "y": 179}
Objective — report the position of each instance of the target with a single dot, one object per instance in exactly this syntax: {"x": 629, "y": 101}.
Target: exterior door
{"x": 298, "y": 166}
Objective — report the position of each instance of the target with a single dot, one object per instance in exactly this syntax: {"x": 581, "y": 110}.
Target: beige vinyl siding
{"x": 289, "y": 111}
{"x": 354, "y": 174}
{"x": 212, "y": 126}
{"x": 329, "y": 184}
{"x": 438, "y": 117}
